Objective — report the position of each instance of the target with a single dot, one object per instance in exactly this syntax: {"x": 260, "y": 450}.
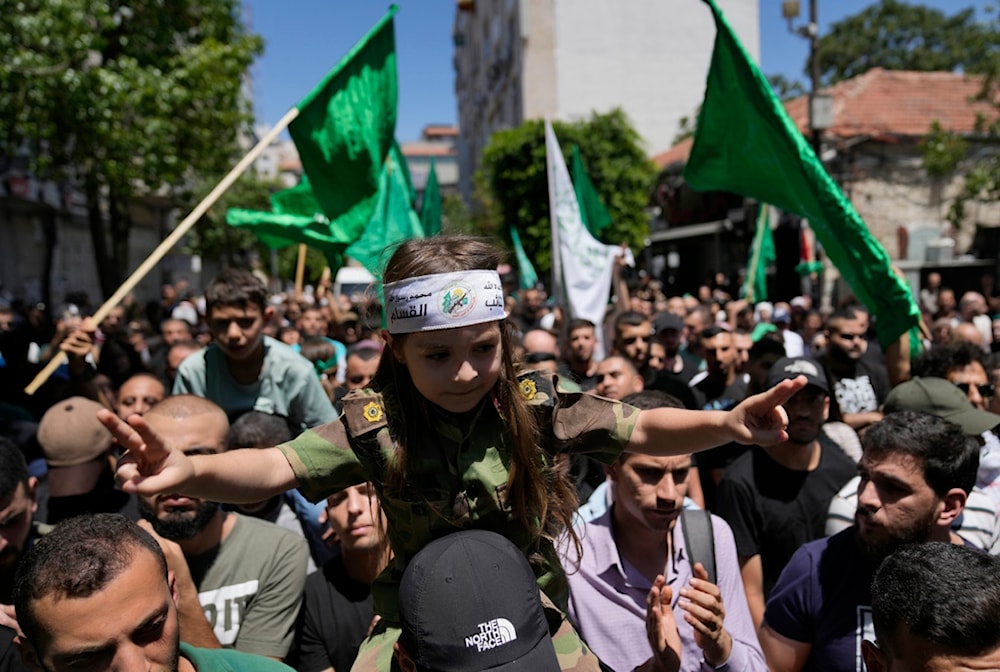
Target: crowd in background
{"x": 706, "y": 351}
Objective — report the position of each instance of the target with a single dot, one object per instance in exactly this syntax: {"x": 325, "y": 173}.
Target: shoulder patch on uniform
{"x": 364, "y": 411}
{"x": 536, "y": 388}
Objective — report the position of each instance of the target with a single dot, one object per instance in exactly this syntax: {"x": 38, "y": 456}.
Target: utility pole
{"x": 820, "y": 105}
{"x": 813, "y": 31}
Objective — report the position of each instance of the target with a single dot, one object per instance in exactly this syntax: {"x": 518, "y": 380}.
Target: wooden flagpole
{"x": 168, "y": 243}
{"x": 300, "y": 271}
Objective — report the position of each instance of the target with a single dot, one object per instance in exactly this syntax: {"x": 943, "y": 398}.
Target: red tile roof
{"x": 886, "y": 105}
{"x": 440, "y": 130}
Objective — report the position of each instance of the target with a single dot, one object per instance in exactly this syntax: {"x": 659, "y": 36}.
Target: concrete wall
{"x": 564, "y": 59}
{"x": 646, "y": 56}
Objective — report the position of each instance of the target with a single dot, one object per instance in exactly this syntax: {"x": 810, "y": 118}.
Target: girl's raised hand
{"x": 760, "y": 419}
{"x": 149, "y": 466}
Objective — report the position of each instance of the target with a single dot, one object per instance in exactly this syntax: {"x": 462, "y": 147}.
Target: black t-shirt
{"x": 860, "y": 388}
{"x": 10, "y": 659}
{"x": 714, "y": 395}
{"x": 773, "y": 510}
{"x": 336, "y": 613}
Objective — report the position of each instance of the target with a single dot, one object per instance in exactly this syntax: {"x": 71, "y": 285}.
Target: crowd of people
{"x": 452, "y": 474}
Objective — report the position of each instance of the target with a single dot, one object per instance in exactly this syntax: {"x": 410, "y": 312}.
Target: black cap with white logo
{"x": 788, "y": 368}
{"x": 469, "y": 602}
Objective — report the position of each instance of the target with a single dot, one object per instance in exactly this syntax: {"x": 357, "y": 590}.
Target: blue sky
{"x": 305, "y": 38}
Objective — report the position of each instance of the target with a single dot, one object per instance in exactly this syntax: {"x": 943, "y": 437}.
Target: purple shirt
{"x": 608, "y": 600}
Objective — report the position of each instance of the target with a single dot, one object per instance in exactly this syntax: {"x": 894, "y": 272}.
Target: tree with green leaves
{"x": 512, "y": 185}
{"x": 897, "y": 35}
{"x": 123, "y": 100}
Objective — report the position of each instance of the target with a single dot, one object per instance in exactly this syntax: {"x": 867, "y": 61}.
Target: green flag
{"x": 595, "y": 216}
{"x": 745, "y": 143}
{"x": 393, "y": 220}
{"x": 346, "y": 126}
{"x": 277, "y": 230}
{"x": 526, "y": 271}
{"x": 298, "y": 200}
{"x": 430, "y": 207}
{"x": 762, "y": 255}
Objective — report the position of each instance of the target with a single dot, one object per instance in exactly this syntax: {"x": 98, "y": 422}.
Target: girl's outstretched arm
{"x": 758, "y": 419}
{"x": 152, "y": 466}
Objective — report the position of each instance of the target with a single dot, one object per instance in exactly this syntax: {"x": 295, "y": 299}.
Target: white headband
{"x": 443, "y": 301}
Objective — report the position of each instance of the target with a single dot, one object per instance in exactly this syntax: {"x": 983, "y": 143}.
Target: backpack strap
{"x": 699, "y": 539}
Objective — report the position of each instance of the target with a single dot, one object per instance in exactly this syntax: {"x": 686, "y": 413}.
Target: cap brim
{"x": 973, "y": 421}
{"x": 542, "y": 658}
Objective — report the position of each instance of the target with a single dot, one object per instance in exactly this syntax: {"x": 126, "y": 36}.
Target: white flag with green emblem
{"x": 582, "y": 266}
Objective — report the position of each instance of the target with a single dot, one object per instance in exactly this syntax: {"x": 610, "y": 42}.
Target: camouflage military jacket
{"x": 457, "y": 478}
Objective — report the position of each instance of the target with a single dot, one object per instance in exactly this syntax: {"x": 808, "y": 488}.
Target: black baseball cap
{"x": 788, "y": 368}
{"x": 665, "y": 321}
{"x": 469, "y": 602}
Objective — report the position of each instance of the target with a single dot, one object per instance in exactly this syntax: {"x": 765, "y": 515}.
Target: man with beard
{"x": 776, "y": 498}
{"x": 239, "y": 579}
{"x": 581, "y": 344}
{"x": 96, "y": 594}
{"x": 916, "y": 472}
{"x": 860, "y": 384}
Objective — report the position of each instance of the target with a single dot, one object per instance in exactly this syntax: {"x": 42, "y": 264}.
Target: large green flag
{"x": 595, "y": 216}
{"x": 762, "y": 255}
{"x": 346, "y": 126}
{"x": 430, "y": 207}
{"x": 393, "y": 220}
{"x": 525, "y": 270}
{"x": 745, "y": 143}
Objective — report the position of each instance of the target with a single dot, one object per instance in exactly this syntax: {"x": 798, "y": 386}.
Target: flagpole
{"x": 168, "y": 243}
{"x": 300, "y": 271}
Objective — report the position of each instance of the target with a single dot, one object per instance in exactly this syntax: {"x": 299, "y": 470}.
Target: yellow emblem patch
{"x": 528, "y": 389}
{"x": 373, "y": 411}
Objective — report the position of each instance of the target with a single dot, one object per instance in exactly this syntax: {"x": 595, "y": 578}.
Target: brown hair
{"x": 540, "y": 495}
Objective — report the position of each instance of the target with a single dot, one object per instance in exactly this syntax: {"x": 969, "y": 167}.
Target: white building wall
{"x": 648, "y": 57}
{"x": 564, "y": 59}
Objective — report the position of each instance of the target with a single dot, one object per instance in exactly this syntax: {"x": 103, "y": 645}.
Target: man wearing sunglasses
{"x": 860, "y": 384}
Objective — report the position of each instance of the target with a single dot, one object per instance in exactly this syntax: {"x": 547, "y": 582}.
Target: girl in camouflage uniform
{"x": 450, "y": 436}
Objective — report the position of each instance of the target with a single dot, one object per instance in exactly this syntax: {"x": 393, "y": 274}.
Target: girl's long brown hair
{"x": 540, "y": 494}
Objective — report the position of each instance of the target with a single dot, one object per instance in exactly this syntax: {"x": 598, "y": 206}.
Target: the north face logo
{"x": 492, "y": 634}
{"x": 802, "y": 366}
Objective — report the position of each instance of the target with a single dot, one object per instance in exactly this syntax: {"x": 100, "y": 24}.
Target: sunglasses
{"x": 985, "y": 390}
{"x": 850, "y": 337}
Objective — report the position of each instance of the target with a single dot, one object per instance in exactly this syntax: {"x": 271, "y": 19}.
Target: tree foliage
{"x": 512, "y": 185}
{"x": 784, "y": 88}
{"x": 896, "y": 35}
{"x": 122, "y": 99}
